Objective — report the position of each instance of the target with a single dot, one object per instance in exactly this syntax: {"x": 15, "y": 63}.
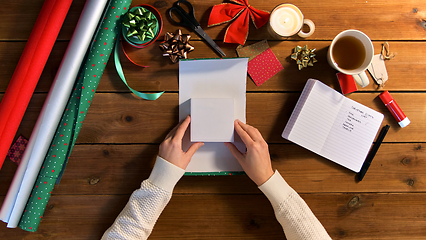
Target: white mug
{"x": 352, "y": 45}
{"x": 287, "y": 20}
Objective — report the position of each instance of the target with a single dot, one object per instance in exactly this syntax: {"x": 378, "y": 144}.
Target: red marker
{"x": 397, "y": 113}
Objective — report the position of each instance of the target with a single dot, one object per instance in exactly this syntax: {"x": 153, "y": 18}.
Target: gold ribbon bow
{"x": 176, "y": 46}
{"x": 304, "y": 56}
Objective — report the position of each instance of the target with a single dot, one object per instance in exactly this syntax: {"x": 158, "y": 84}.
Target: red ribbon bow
{"x": 239, "y": 11}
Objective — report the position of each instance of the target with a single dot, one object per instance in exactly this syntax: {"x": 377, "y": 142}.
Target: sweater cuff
{"x": 165, "y": 174}
{"x": 276, "y": 189}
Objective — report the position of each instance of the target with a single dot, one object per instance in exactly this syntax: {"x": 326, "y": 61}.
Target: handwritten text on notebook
{"x": 355, "y": 117}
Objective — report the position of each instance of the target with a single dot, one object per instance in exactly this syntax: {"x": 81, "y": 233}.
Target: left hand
{"x": 171, "y": 147}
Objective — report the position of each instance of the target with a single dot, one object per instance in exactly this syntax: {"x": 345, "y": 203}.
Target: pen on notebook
{"x": 372, "y": 153}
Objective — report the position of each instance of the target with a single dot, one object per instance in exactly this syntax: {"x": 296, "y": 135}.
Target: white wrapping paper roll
{"x": 50, "y": 115}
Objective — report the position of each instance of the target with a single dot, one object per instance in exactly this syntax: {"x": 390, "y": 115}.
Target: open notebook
{"x": 332, "y": 125}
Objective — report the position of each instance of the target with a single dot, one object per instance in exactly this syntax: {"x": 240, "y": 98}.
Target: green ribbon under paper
{"x": 73, "y": 117}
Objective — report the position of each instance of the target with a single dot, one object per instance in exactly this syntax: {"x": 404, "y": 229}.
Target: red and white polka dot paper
{"x": 263, "y": 67}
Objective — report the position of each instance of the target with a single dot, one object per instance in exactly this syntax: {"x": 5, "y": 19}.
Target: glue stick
{"x": 397, "y": 113}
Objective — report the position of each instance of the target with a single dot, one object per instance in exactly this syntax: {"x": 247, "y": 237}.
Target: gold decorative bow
{"x": 304, "y": 56}
{"x": 176, "y": 46}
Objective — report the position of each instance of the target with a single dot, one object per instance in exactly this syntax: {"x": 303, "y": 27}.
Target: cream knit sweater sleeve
{"x": 291, "y": 210}
{"x": 145, "y": 205}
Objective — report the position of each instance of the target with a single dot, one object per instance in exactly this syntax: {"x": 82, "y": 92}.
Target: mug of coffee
{"x": 351, "y": 52}
{"x": 287, "y": 20}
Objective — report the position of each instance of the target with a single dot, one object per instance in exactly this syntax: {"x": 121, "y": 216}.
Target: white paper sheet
{"x": 213, "y": 78}
{"x": 212, "y": 120}
{"x": 50, "y": 115}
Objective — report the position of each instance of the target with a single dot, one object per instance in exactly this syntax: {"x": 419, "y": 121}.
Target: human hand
{"x": 256, "y": 162}
{"x": 171, "y": 147}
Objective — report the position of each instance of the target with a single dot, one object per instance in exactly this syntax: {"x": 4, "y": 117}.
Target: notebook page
{"x": 298, "y": 108}
{"x": 352, "y": 134}
{"x": 317, "y": 117}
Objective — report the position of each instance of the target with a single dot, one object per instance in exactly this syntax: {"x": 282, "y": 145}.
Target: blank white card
{"x": 212, "y": 120}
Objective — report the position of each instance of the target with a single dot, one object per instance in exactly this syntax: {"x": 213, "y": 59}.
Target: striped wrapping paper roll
{"x": 51, "y": 113}
{"x": 29, "y": 68}
{"x": 73, "y": 117}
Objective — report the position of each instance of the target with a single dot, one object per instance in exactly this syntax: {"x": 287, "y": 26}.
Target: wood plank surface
{"x": 379, "y": 19}
{"x": 230, "y": 216}
{"x": 119, "y": 169}
{"x": 122, "y": 118}
{"x": 406, "y": 71}
{"x": 119, "y": 141}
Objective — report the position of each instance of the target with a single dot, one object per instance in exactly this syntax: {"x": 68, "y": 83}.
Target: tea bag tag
{"x": 377, "y": 69}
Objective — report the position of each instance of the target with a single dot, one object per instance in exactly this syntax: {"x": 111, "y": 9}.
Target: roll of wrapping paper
{"x": 51, "y": 113}
{"x": 29, "y": 68}
{"x": 74, "y": 114}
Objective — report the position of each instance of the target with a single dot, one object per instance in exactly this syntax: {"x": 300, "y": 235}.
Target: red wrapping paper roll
{"x": 28, "y": 71}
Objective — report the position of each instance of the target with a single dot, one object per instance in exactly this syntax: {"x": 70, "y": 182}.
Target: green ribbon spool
{"x": 140, "y": 26}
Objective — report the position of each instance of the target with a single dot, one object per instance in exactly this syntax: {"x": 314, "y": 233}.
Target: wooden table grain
{"x": 117, "y": 146}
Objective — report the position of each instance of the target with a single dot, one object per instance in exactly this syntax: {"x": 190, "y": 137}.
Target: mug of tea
{"x": 287, "y": 20}
{"x": 351, "y": 52}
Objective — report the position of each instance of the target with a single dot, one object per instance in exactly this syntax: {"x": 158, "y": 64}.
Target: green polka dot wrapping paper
{"x": 73, "y": 117}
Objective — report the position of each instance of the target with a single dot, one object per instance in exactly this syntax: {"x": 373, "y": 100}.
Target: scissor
{"x": 187, "y": 19}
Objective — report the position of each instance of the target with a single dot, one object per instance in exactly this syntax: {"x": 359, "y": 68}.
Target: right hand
{"x": 256, "y": 162}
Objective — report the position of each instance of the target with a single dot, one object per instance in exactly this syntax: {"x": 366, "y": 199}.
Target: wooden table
{"x": 119, "y": 141}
